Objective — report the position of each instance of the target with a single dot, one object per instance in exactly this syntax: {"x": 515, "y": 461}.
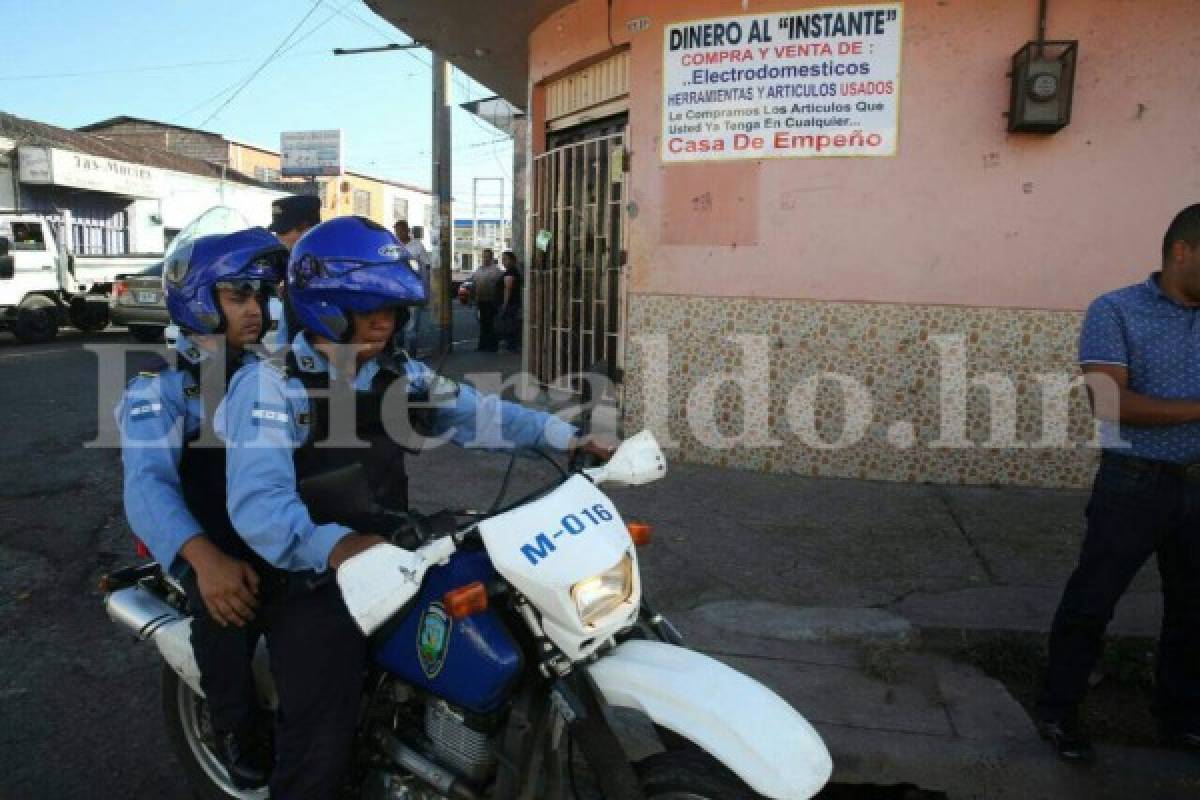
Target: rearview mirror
{"x": 638, "y": 460}
{"x": 5, "y": 244}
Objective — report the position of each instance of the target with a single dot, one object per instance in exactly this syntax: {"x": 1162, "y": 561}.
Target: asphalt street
{"x": 79, "y": 699}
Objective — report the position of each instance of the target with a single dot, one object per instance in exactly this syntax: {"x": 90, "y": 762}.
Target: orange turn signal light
{"x": 640, "y": 532}
{"x": 466, "y": 600}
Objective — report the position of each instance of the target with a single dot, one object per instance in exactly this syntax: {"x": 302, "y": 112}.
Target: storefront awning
{"x": 487, "y": 40}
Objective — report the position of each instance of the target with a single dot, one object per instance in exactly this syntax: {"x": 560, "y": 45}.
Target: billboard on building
{"x": 50, "y": 165}
{"x": 791, "y": 84}
{"x": 309, "y": 153}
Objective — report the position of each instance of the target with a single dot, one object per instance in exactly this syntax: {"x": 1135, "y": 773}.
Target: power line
{"x": 289, "y": 49}
{"x": 264, "y": 64}
{"x": 317, "y": 27}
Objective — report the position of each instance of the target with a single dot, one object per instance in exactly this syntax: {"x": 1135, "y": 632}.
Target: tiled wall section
{"x": 889, "y": 350}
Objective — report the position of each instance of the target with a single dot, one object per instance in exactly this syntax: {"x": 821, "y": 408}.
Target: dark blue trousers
{"x": 318, "y": 657}
{"x": 1138, "y": 509}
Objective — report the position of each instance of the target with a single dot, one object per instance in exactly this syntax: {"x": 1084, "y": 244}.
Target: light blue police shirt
{"x": 264, "y": 417}
{"x": 1158, "y": 341}
{"x": 156, "y": 414}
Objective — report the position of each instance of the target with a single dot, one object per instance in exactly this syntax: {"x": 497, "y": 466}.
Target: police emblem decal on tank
{"x": 433, "y": 639}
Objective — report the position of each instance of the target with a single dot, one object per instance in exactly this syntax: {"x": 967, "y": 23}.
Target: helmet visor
{"x": 218, "y": 219}
{"x": 247, "y": 286}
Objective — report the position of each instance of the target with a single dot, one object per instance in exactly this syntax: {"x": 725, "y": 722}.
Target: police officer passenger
{"x": 349, "y": 283}
{"x": 174, "y": 471}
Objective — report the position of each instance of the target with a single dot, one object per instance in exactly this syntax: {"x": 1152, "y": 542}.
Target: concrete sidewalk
{"x": 823, "y": 589}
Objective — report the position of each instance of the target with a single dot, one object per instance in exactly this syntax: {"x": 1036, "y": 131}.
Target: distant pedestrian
{"x": 510, "y": 318}
{"x": 489, "y": 286}
{"x": 420, "y": 263}
{"x": 1140, "y": 353}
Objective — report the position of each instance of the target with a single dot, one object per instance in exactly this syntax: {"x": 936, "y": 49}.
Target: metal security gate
{"x": 576, "y": 309}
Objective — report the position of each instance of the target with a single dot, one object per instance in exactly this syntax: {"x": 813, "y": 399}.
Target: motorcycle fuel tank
{"x": 471, "y": 662}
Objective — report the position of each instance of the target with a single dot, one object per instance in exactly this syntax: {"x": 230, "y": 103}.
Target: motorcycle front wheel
{"x": 690, "y": 774}
{"x": 190, "y": 733}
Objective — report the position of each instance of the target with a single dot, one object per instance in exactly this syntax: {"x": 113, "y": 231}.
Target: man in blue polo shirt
{"x": 1140, "y": 353}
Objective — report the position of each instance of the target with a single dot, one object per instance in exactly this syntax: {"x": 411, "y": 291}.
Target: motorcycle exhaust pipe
{"x": 140, "y": 611}
{"x": 445, "y": 781}
{"x": 149, "y": 617}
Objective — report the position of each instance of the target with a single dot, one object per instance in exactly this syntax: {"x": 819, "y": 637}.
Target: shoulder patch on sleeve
{"x": 270, "y": 414}
{"x": 145, "y": 409}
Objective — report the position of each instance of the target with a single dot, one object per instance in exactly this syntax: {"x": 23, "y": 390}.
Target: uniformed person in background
{"x": 174, "y": 469}
{"x": 349, "y": 284}
{"x": 291, "y": 218}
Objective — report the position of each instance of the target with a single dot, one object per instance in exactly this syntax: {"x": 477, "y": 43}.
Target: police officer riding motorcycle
{"x": 174, "y": 467}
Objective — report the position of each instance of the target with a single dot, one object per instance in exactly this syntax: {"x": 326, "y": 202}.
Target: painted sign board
{"x": 52, "y": 166}
{"x": 795, "y": 84}
{"x": 309, "y": 153}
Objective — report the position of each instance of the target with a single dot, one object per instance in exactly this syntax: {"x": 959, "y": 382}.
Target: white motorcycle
{"x": 502, "y": 644}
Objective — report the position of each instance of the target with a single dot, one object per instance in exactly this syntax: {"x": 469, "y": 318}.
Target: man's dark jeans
{"x": 487, "y": 326}
{"x": 1138, "y": 508}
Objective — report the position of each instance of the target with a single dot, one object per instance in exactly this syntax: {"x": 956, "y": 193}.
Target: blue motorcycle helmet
{"x": 200, "y": 259}
{"x": 346, "y": 265}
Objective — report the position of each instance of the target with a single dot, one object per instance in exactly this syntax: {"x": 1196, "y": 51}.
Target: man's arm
{"x": 151, "y": 418}
{"x": 1112, "y": 400}
{"x": 484, "y": 421}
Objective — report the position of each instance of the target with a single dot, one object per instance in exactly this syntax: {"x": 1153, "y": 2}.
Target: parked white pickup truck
{"x": 44, "y": 286}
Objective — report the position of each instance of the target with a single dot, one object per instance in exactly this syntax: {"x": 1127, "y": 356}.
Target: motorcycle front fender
{"x": 738, "y": 721}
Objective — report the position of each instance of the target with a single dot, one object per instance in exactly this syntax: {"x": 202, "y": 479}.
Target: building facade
{"x": 115, "y": 198}
{"x": 473, "y": 236}
{"x": 380, "y": 199}
{"x": 939, "y": 264}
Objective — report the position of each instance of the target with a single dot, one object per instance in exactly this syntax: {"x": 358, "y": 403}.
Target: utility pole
{"x": 443, "y": 227}
{"x": 444, "y": 195}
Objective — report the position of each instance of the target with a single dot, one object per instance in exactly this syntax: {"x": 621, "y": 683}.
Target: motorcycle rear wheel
{"x": 690, "y": 774}
{"x": 190, "y": 734}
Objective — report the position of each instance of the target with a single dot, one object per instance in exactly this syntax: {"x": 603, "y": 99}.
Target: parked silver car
{"x": 138, "y": 302}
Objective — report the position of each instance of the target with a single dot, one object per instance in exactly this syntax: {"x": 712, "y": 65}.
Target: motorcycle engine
{"x": 456, "y": 744}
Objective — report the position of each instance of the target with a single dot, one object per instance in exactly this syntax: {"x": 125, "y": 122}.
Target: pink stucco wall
{"x": 965, "y": 214}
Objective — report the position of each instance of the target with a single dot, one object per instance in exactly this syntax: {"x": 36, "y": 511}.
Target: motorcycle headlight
{"x": 600, "y": 594}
